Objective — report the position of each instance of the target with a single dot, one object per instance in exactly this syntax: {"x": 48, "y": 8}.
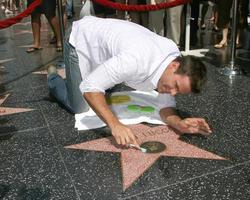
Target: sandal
{"x": 53, "y": 40}
{"x": 33, "y": 49}
{"x": 203, "y": 26}
{"x": 59, "y": 49}
{"x": 216, "y": 29}
{"x": 220, "y": 45}
{"x": 239, "y": 46}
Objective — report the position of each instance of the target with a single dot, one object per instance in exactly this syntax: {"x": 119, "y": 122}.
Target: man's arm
{"x": 123, "y": 135}
{"x": 187, "y": 125}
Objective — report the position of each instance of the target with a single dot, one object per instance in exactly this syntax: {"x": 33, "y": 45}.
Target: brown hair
{"x": 195, "y": 69}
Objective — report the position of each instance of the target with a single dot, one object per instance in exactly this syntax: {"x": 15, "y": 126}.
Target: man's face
{"x": 173, "y": 83}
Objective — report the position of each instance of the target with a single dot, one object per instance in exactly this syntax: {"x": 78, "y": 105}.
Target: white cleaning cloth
{"x": 89, "y": 119}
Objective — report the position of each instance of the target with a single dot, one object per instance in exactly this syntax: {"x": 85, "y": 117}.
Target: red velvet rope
{"x": 13, "y": 20}
{"x": 140, "y": 8}
{"x": 117, "y": 6}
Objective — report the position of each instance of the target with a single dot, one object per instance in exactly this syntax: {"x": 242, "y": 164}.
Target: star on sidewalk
{"x": 60, "y": 71}
{"x": 6, "y": 60}
{"x": 9, "y": 111}
{"x": 22, "y": 24}
{"x": 20, "y": 32}
{"x": 134, "y": 163}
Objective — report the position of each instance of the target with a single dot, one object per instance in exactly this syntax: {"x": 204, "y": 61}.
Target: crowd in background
{"x": 168, "y": 22}
{"x": 11, "y": 6}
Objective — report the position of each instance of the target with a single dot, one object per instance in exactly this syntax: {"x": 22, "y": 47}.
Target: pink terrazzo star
{"x": 61, "y": 72}
{"x": 6, "y": 60}
{"x": 20, "y": 32}
{"x": 134, "y": 163}
{"x": 9, "y": 111}
{"x": 22, "y": 24}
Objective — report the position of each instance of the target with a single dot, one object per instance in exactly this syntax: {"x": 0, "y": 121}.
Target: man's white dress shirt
{"x": 112, "y": 51}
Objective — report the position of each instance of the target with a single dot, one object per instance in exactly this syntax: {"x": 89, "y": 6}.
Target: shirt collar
{"x": 159, "y": 71}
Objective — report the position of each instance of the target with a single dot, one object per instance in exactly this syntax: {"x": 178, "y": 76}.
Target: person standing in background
{"x": 224, "y": 9}
{"x": 134, "y": 16}
{"x": 48, "y": 8}
{"x": 173, "y": 23}
{"x": 69, "y": 9}
{"x": 156, "y": 18}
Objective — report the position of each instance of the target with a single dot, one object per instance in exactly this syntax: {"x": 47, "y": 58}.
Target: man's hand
{"x": 188, "y": 125}
{"x": 194, "y": 126}
{"x": 123, "y": 135}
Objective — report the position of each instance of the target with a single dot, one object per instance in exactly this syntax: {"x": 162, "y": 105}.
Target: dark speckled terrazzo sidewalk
{"x": 34, "y": 165}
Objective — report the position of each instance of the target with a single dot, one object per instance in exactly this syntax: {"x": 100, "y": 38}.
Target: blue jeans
{"x": 68, "y": 92}
{"x": 69, "y": 7}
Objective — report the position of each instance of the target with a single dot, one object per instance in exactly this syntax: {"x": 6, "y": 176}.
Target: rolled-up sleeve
{"x": 166, "y": 100}
{"x": 115, "y": 70}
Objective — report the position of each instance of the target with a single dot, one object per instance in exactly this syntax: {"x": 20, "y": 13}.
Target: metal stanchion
{"x": 60, "y": 16}
{"x": 196, "y": 52}
{"x": 231, "y": 69}
{"x": 187, "y": 33}
{"x": 60, "y": 62}
{"x": 127, "y": 16}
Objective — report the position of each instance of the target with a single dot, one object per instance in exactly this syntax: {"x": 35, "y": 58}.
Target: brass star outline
{"x": 134, "y": 163}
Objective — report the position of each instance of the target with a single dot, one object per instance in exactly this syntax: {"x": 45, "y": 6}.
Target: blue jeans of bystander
{"x": 69, "y": 8}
